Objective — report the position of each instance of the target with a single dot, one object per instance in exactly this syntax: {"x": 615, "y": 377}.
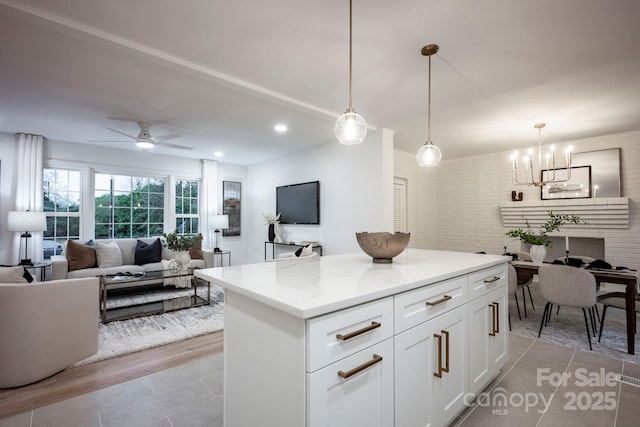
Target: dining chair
{"x": 522, "y": 284}
{"x": 570, "y": 287}
{"x": 617, "y": 300}
{"x": 512, "y": 288}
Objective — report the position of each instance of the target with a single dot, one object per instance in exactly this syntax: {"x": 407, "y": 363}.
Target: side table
{"x": 222, "y": 253}
{"x": 42, "y": 266}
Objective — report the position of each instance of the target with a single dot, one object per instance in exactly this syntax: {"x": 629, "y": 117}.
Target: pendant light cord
{"x": 429, "y": 105}
{"x": 350, "y": 49}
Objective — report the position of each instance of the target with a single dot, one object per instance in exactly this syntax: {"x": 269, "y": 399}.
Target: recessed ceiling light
{"x": 280, "y": 128}
{"x": 218, "y": 153}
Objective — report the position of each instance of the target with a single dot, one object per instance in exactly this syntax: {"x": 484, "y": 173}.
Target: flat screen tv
{"x": 299, "y": 203}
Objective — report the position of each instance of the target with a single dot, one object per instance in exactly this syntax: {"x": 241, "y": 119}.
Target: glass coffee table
{"x": 142, "y": 284}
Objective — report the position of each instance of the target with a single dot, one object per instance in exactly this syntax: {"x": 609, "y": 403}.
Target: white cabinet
{"x": 431, "y": 366}
{"x": 488, "y": 330}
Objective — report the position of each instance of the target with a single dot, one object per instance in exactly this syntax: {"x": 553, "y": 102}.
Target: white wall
{"x": 469, "y": 191}
{"x": 356, "y": 187}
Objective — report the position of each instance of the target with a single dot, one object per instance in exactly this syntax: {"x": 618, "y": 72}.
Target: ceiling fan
{"x": 145, "y": 140}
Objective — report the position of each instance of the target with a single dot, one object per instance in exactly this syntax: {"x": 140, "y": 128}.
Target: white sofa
{"x": 60, "y": 266}
{"x": 45, "y": 327}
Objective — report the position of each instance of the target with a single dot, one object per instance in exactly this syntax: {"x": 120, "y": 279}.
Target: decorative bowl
{"x": 383, "y": 246}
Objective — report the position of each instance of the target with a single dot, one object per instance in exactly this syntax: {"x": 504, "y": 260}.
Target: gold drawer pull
{"x": 493, "y": 279}
{"x": 360, "y": 368}
{"x": 440, "y": 301}
{"x": 359, "y": 331}
{"x": 439, "y": 373}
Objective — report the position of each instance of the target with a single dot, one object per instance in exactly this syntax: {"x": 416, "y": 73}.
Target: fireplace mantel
{"x": 599, "y": 213}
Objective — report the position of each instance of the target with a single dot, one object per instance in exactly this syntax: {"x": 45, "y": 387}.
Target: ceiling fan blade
{"x": 108, "y": 140}
{"x": 167, "y": 137}
{"x": 180, "y": 147}
{"x": 122, "y": 133}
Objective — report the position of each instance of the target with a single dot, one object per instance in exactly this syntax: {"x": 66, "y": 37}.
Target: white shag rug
{"x": 129, "y": 336}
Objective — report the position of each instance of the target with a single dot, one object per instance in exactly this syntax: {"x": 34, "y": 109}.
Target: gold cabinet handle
{"x": 439, "y": 373}
{"x": 497, "y": 317}
{"x": 446, "y": 352}
{"x": 350, "y": 335}
{"x": 493, "y": 320}
{"x": 493, "y": 279}
{"x": 440, "y": 301}
{"x": 360, "y": 368}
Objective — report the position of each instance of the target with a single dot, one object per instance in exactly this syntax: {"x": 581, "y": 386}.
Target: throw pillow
{"x": 195, "y": 251}
{"x": 12, "y": 274}
{"x": 146, "y": 253}
{"x": 80, "y": 256}
{"x": 108, "y": 254}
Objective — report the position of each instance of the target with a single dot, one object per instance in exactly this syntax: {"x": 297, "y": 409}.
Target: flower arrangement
{"x": 271, "y": 218}
{"x": 527, "y": 234}
{"x": 180, "y": 242}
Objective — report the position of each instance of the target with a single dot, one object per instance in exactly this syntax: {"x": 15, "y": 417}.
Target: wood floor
{"x": 76, "y": 381}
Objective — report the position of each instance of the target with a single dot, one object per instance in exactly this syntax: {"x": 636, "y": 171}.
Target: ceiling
{"x": 223, "y": 73}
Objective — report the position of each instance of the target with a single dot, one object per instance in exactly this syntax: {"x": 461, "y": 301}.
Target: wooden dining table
{"x": 628, "y": 278}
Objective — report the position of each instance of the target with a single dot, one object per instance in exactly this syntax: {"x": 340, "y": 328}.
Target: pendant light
{"x": 351, "y": 128}
{"x": 429, "y": 155}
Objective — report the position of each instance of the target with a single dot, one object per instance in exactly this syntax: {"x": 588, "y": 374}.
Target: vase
{"x": 183, "y": 259}
{"x": 538, "y": 252}
{"x": 272, "y": 232}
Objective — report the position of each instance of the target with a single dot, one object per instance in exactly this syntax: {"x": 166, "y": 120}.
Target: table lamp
{"x": 218, "y": 222}
{"x": 26, "y": 222}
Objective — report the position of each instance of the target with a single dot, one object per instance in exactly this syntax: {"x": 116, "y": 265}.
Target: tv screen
{"x": 299, "y": 203}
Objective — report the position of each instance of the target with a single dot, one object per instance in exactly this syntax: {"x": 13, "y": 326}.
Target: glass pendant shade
{"x": 428, "y": 155}
{"x": 351, "y": 128}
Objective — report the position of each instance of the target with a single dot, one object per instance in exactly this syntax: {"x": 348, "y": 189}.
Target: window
{"x": 187, "y": 201}
{"x": 61, "y": 201}
{"x": 128, "y": 206}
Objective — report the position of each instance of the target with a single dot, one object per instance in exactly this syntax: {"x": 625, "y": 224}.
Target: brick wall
{"x": 456, "y": 206}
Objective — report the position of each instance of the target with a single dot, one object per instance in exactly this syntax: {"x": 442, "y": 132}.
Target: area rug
{"x": 129, "y": 336}
{"x": 567, "y": 328}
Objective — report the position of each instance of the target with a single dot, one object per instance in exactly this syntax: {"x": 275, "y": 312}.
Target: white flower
{"x": 271, "y": 218}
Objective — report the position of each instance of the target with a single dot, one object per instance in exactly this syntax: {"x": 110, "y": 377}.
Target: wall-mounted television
{"x": 299, "y": 203}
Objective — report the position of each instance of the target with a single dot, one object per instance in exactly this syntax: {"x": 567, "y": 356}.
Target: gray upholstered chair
{"x": 570, "y": 287}
{"x": 522, "y": 284}
{"x": 617, "y": 300}
{"x": 512, "y": 288}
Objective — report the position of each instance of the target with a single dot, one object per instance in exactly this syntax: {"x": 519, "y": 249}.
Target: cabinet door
{"x": 488, "y": 338}
{"x": 364, "y": 398}
{"x": 416, "y": 362}
{"x": 452, "y": 387}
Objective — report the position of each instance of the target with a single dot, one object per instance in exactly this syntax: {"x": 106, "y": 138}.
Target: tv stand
{"x": 293, "y": 245}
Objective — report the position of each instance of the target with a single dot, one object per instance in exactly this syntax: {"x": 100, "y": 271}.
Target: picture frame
{"x": 232, "y": 206}
{"x": 578, "y": 187}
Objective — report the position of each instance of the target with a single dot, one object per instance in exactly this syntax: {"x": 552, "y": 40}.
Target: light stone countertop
{"x": 319, "y": 285}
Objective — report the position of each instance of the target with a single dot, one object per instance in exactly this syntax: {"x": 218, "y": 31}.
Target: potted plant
{"x": 539, "y": 240}
{"x": 181, "y": 243}
{"x": 271, "y": 220}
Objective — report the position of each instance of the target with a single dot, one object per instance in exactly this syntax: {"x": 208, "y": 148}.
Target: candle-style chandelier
{"x": 552, "y": 174}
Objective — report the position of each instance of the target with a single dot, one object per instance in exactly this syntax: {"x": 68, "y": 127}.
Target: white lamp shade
{"x": 219, "y": 222}
{"x": 428, "y": 155}
{"x": 351, "y": 128}
{"x": 26, "y": 221}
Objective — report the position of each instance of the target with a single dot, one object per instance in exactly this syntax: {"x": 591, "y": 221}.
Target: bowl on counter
{"x": 383, "y": 246}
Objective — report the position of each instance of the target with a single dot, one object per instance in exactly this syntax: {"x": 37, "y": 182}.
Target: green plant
{"x": 180, "y": 242}
{"x": 528, "y": 235}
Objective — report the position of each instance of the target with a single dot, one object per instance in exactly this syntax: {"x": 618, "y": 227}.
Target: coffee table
{"x": 142, "y": 283}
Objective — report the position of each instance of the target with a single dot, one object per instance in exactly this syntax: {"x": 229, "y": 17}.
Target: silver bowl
{"x": 383, "y": 246}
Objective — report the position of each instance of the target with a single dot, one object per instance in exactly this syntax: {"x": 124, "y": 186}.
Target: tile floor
{"x": 191, "y": 395}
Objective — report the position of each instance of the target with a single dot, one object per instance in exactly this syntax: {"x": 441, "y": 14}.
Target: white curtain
{"x": 208, "y": 199}
{"x": 28, "y": 179}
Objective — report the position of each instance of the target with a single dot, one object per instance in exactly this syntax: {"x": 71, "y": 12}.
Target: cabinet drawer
{"x": 483, "y": 281}
{"x": 364, "y": 398}
{"x": 340, "y": 334}
{"x": 417, "y": 306}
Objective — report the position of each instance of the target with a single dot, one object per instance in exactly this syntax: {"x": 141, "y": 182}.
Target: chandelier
{"x": 429, "y": 155}
{"x": 539, "y": 178}
{"x": 350, "y": 128}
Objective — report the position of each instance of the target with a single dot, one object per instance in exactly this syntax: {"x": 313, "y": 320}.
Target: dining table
{"x": 626, "y": 277}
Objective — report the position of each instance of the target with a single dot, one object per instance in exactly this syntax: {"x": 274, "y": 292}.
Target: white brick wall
{"x": 456, "y": 206}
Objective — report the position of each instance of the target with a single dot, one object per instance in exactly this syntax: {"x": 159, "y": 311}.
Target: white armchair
{"x": 45, "y": 327}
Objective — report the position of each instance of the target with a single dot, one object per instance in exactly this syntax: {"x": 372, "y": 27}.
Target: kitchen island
{"x": 338, "y": 340}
